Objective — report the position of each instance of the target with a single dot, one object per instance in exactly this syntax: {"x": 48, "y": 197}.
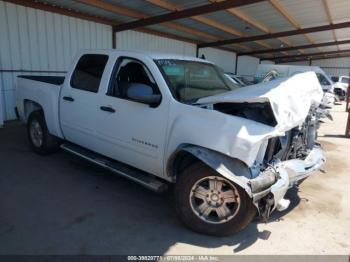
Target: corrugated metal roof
{"x": 340, "y": 10}
{"x": 332, "y": 48}
{"x": 342, "y": 47}
{"x": 189, "y": 3}
{"x": 343, "y": 34}
{"x": 87, "y": 9}
{"x": 139, "y": 5}
{"x": 163, "y": 29}
{"x": 268, "y": 15}
{"x": 204, "y": 28}
{"x": 320, "y": 37}
{"x": 228, "y": 19}
{"x": 306, "y": 13}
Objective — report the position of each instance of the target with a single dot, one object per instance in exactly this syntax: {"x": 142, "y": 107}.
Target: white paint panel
{"x": 247, "y": 65}
{"x": 133, "y": 40}
{"x": 43, "y": 41}
{"x": 225, "y": 59}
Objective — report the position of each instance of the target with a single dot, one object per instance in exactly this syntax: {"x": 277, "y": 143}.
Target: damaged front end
{"x": 288, "y": 160}
{"x": 277, "y": 158}
{"x": 270, "y": 185}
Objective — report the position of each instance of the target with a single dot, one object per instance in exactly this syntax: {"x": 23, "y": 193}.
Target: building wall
{"x": 133, "y": 40}
{"x": 267, "y": 62}
{"x": 332, "y": 66}
{"x": 247, "y": 65}
{"x": 225, "y": 59}
{"x": 36, "y": 40}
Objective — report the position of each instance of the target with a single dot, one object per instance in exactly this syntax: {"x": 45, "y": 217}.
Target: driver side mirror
{"x": 143, "y": 94}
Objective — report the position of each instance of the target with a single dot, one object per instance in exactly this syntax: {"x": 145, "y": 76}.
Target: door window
{"x": 129, "y": 71}
{"x": 88, "y": 72}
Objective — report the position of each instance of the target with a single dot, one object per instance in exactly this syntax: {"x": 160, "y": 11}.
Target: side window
{"x": 88, "y": 72}
{"x": 335, "y": 79}
{"x": 322, "y": 79}
{"x": 345, "y": 80}
{"x": 130, "y": 71}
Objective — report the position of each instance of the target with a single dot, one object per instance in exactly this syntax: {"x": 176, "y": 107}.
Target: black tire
{"x": 49, "y": 143}
{"x": 183, "y": 188}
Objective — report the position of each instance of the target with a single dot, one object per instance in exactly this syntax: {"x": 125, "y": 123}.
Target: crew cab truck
{"x": 157, "y": 119}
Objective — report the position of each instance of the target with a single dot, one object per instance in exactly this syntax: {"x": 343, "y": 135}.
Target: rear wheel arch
{"x": 40, "y": 140}
{"x": 30, "y": 107}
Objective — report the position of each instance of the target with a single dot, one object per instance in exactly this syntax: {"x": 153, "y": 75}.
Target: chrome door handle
{"x": 107, "y": 109}
{"x": 68, "y": 98}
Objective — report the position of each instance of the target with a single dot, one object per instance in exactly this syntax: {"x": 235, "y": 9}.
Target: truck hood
{"x": 290, "y": 98}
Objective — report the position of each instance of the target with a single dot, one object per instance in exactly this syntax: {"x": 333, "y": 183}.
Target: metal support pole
{"x": 347, "y": 96}
{"x": 197, "y": 51}
{"x": 236, "y": 64}
{"x": 114, "y": 38}
{"x": 347, "y": 129}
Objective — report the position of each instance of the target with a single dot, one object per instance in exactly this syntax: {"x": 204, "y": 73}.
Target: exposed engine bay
{"x": 259, "y": 112}
{"x": 296, "y": 144}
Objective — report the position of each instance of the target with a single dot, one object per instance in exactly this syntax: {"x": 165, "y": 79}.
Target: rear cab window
{"x": 88, "y": 72}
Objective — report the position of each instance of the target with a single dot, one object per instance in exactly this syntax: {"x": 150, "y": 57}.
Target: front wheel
{"x": 210, "y": 204}
{"x": 41, "y": 141}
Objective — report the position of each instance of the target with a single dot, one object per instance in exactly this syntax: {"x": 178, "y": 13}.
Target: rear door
{"x": 79, "y": 100}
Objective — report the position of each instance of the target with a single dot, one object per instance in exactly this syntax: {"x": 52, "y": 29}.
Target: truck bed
{"x": 35, "y": 92}
{"x": 54, "y": 80}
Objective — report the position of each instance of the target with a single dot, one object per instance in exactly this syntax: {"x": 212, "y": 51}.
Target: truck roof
{"x": 152, "y": 55}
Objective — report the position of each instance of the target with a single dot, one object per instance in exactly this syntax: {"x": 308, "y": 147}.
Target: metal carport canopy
{"x": 247, "y": 27}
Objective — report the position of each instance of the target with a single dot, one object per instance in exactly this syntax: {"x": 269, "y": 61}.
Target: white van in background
{"x": 341, "y": 84}
{"x": 290, "y": 70}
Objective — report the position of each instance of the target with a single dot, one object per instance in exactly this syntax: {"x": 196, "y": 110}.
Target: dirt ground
{"x": 62, "y": 205}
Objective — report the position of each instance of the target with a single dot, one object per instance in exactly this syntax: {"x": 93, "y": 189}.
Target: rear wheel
{"x": 38, "y": 135}
{"x": 211, "y": 204}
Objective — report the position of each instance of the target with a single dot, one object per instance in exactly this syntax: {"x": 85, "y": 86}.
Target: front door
{"x": 129, "y": 131}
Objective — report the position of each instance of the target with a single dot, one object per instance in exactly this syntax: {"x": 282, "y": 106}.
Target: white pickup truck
{"x": 158, "y": 119}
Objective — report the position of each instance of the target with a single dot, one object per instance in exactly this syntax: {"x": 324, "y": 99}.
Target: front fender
{"x": 230, "y": 168}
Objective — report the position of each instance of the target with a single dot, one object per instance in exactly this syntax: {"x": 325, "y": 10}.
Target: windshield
{"x": 189, "y": 81}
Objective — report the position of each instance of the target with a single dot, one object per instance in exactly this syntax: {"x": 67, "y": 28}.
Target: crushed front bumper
{"x": 270, "y": 186}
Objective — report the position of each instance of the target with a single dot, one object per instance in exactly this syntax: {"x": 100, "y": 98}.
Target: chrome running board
{"x": 147, "y": 180}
